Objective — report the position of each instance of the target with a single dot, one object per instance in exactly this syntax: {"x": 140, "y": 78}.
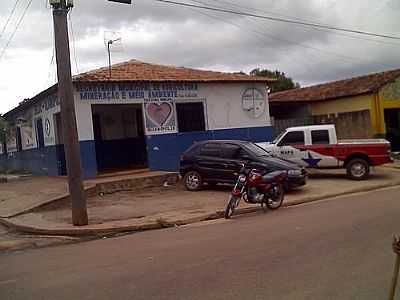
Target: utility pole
{"x": 396, "y": 250}
{"x": 66, "y": 96}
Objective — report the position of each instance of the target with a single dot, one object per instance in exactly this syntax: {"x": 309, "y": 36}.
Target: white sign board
{"x": 159, "y": 116}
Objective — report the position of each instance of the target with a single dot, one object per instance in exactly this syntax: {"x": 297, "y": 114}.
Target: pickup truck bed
{"x": 317, "y": 146}
{"x": 362, "y": 141}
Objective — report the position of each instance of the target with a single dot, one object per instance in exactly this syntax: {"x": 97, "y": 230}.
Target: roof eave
{"x": 31, "y": 101}
{"x": 173, "y": 80}
{"x": 272, "y": 101}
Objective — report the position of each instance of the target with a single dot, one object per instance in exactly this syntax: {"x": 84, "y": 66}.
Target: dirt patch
{"x": 130, "y": 204}
{"x": 154, "y": 204}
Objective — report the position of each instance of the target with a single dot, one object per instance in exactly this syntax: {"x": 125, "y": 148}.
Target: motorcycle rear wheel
{"x": 276, "y": 201}
{"x": 230, "y": 208}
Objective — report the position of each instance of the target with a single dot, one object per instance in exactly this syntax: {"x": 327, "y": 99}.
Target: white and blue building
{"x": 143, "y": 115}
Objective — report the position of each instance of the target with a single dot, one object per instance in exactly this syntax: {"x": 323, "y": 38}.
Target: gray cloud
{"x": 180, "y": 36}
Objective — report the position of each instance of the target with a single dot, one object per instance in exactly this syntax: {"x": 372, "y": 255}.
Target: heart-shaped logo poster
{"x": 159, "y": 113}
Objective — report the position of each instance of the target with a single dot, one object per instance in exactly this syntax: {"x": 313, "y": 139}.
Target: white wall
{"x": 83, "y": 111}
{"x": 223, "y": 105}
{"x": 26, "y": 120}
{"x": 47, "y": 116}
{"x": 222, "y": 101}
{"x": 225, "y": 109}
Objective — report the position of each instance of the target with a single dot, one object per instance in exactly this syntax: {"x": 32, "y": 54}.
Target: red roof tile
{"x": 337, "y": 89}
{"x": 135, "y": 70}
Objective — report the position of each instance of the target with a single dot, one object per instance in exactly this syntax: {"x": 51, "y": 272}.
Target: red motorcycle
{"x": 257, "y": 188}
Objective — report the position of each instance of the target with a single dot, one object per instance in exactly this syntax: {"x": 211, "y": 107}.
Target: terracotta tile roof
{"x": 135, "y": 70}
{"x": 337, "y": 89}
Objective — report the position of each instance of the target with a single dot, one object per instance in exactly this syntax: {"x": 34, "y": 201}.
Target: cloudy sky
{"x": 167, "y": 34}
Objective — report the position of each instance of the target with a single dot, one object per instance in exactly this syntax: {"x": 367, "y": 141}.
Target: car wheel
{"x": 358, "y": 169}
{"x": 193, "y": 181}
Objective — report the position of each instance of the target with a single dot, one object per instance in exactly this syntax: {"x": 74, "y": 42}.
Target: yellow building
{"x": 365, "y": 106}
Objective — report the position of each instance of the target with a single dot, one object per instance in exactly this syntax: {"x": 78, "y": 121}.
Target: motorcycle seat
{"x": 271, "y": 177}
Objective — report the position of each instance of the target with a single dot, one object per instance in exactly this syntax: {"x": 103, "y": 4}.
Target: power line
{"x": 9, "y": 18}
{"x": 253, "y": 9}
{"x": 73, "y": 41}
{"x": 51, "y": 64}
{"x": 263, "y": 34}
{"x": 15, "y": 30}
{"x": 53, "y": 54}
{"x": 234, "y": 5}
{"x": 246, "y": 14}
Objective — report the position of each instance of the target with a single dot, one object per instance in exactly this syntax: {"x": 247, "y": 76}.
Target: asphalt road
{"x": 335, "y": 249}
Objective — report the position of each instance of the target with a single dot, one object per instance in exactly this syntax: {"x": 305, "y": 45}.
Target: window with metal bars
{"x": 190, "y": 116}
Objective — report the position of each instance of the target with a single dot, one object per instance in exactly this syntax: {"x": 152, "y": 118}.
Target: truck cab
{"x": 298, "y": 144}
{"x": 317, "y": 146}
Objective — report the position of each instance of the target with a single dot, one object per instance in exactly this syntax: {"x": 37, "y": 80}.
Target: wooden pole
{"x": 396, "y": 249}
{"x": 66, "y": 96}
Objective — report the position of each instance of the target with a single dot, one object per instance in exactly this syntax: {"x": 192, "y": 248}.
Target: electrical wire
{"x": 234, "y": 5}
{"x": 53, "y": 54}
{"x": 246, "y": 14}
{"x": 253, "y": 9}
{"x": 263, "y": 34}
{"x": 9, "y": 18}
{"x": 15, "y": 30}
{"x": 73, "y": 41}
{"x": 51, "y": 64}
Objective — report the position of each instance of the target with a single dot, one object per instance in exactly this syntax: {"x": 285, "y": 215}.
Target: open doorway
{"x": 392, "y": 122}
{"x": 119, "y": 137}
{"x": 59, "y": 139}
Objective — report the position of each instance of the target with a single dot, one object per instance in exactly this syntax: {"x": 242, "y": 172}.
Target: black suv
{"x": 219, "y": 161}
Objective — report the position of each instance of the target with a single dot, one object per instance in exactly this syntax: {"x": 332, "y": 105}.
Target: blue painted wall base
{"x": 49, "y": 160}
{"x": 164, "y": 150}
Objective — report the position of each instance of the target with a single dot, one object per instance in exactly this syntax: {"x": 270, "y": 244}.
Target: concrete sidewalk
{"x": 169, "y": 206}
{"x": 393, "y": 165}
{"x": 25, "y": 195}
{"x": 22, "y": 195}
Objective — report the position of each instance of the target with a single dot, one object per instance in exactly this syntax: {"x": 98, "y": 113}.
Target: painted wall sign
{"x": 47, "y": 104}
{"x": 159, "y": 116}
{"x": 11, "y": 140}
{"x": 253, "y": 102}
{"x": 27, "y": 137}
{"x": 49, "y": 135}
{"x": 47, "y": 127}
{"x": 137, "y": 91}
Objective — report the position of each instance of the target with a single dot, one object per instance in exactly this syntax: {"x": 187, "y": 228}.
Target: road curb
{"x": 100, "y": 188}
{"x": 94, "y": 230}
{"x": 349, "y": 192}
{"x": 52, "y": 202}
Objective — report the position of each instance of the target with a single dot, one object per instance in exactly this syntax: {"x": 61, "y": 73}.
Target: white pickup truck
{"x": 317, "y": 146}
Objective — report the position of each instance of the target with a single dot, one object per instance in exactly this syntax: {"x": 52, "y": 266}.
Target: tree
{"x": 282, "y": 82}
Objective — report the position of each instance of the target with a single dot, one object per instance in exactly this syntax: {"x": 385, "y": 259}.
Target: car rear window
{"x": 211, "y": 149}
{"x": 230, "y": 151}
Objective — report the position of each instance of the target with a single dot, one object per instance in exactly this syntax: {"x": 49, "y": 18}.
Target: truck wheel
{"x": 358, "y": 169}
{"x": 193, "y": 181}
